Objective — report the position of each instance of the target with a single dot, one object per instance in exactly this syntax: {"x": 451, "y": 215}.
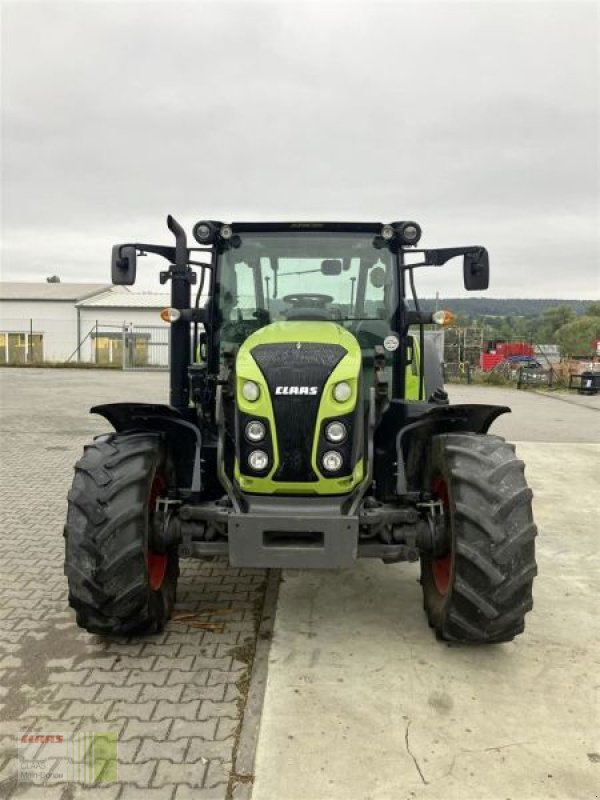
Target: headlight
{"x": 409, "y": 232}
{"x": 388, "y": 232}
{"x": 342, "y": 391}
{"x": 226, "y": 232}
{"x": 255, "y": 431}
{"x": 258, "y": 460}
{"x": 250, "y": 391}
{"x": 204, "y": 232}
{"x": 335, "y": 432}
{"x": 332, "y": 461}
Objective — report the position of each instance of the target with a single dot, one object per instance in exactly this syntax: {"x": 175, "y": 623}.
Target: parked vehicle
{"x": 307, "y": 427}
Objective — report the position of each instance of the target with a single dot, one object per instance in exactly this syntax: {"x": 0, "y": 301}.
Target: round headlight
{"x": 255, "y": 431}
{"x": 203, "y": 232}
{"x": 258, "y": 460}
{"x": 387, "y": 232}
{"x": 226, "y": 232}
{"x": 410, "y": 232}
{"x": 342, "y": 391}
{"x": 332, "y": 461}
{"x": 335, "y": 432}
{"x": 250, "y": 391}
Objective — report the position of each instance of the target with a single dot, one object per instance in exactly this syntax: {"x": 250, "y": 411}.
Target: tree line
{"x": 574, "y": 325}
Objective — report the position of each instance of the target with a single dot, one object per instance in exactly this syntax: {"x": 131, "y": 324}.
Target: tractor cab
{"x": 287, "y": 277}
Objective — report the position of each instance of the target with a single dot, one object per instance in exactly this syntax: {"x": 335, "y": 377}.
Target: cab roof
{"x": 316, "y": 227}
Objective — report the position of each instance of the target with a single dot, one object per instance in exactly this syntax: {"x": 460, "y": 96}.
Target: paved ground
{"x": 174, "y": 699}
{"x": 363, "y": 702}
{"x": 538, "y": 416}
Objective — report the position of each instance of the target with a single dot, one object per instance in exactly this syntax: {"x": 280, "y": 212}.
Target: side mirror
{"x": 124, "y": 260}
{"x": 476, "y": 270}
{"x": 331, "y": 266}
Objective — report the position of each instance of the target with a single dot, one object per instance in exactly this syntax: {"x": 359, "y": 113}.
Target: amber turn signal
{"x": 170, "y": 314}
{"x": 443, "y": 318}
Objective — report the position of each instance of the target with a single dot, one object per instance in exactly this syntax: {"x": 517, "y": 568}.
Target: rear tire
{"x": 481, "y": 589}
{"x": 117, "y": 585}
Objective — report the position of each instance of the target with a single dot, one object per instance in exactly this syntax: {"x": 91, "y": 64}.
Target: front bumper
{"x": 309, "y": 541}
{"x": 288, "y": 533}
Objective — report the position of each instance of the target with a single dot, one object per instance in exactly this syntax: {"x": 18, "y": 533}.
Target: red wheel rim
{"x": 156, "y": 563}
{"x": 441, "y": 567}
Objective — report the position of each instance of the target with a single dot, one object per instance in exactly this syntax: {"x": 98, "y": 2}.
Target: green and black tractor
{"x": 308, "y": 426}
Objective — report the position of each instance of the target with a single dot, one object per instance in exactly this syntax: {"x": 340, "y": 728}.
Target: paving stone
{"x": 127, "y": 694}
{"x": 94, "y": 663}
{"x": 201, "y": 749}
{"x": 217, "y": 773}
{"x": 133, "y": 793}
{"x": 170, "y": 693}
{"x": 167, "y": 662}
{"x": 173, "y": 751}
{"x": 135, "y": 662}
{"x": 189, "y": 710}
{"x": 93, "y": 710}
{"x": 169, "y": 773}
{"x": 156, "y": 729}
{"x": 138, "y": 774}
{"x": 77, "y": 791}
{"x": 197, "y": 677}
{"x": 105, "y": 676}
{"x": 28, "y": 791}
{"x": 184, "y": 792}
{"x": 153, "y": 678}
{"x": 141, "y": 711}
{"x": 226, "y": 728}
{"x": 74, "y": 791}
{"x": 216, "y": 677}
{"x": 69, "y": 691}
{"x": 127, "y": 749}
{"x": 70, "y": 677}
{"x": 191, "y": 692}
{"x": 187, "y": 728}
{"x": 156, "y": 693}
{"x": 223, "y": 662}
{"x": 211, "y": 709}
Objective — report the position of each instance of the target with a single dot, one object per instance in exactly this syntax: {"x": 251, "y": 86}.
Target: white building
{"x": 89, "y": 322}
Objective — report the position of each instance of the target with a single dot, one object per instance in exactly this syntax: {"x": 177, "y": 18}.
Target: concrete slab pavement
{"x": 538, "y": 416}
{"x": 363, "y": 702}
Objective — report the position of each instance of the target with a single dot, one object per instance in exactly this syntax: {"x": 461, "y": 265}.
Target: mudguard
{"x": 412, "y": 440}
{"x": 182, "y": 438}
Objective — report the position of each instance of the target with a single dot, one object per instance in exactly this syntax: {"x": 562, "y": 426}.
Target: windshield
{"x": 273, "y": 277}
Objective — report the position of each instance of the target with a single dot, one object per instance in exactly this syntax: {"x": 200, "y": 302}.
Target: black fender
{"x": 182, "y": 437}
{"x": 413, "y": 439}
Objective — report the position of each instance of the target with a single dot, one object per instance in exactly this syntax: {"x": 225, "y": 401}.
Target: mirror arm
{"x": 437, "y": 258}
{"x": 157, "y": 249}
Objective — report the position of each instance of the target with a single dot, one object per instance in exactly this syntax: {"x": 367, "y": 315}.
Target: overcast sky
{"x": 479, "y": 120}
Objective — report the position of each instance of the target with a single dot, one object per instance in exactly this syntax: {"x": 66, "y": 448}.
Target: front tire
{"x": 117, "y": 584}
{"x": 480, "y": 590}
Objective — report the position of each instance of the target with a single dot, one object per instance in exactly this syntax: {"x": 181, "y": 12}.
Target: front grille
{"x": 296, "y": 364}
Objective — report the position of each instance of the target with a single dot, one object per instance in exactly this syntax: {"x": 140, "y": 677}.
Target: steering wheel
{"x": 309, "y": 299}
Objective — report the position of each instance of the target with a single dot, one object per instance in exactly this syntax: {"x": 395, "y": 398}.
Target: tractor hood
{"x": 296, "y": 366}
{"x": 302, "y": 331}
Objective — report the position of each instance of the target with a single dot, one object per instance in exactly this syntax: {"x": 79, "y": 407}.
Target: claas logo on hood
{"x": 305, "y": 390}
